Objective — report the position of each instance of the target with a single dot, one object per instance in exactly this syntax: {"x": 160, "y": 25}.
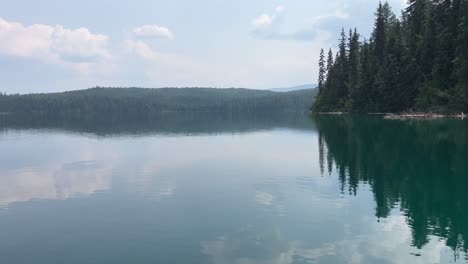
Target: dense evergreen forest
{"x": 147, "y": 102}
{"x": 416, "y": 62}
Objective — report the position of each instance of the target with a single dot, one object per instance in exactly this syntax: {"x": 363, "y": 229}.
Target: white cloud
{"x": 153, "y": 31}
{"x": 336, "y": 15}
{"x": 79, "y": 45}
{"x": 140, "y": 48}
{"x": 52, "y": 44}
{"x": 265, "y": 20}
{"x": 268, "y": 27}
{"x": 262, "y": 21}
{"x": 279, "y": 9}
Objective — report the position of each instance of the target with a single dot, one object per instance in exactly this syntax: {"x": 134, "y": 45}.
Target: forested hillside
{"x": 139, "y": 101}
{"x": 418, "y": 61}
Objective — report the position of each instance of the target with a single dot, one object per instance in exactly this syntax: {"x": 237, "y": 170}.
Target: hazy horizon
{"x": 274, "y": 89}
{"x": 56, "y": 46}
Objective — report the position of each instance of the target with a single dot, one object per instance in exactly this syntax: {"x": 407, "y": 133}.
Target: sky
{"x": 57, "y": 45}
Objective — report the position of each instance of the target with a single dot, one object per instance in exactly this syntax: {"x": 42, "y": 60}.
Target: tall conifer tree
{"x": 322, "y": 72}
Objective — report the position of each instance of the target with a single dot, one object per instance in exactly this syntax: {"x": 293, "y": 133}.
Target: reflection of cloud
{"x": 270, "y": 198}
{"x": 264, "y": 198}
{"x": 390, "y": 241}
{"x": 149, "y": 182}
{"x": 386, "y": 242}
{"x": 294, "y": 252}
{"x": 249, "y": 246}
{"x": 69, "y": 180}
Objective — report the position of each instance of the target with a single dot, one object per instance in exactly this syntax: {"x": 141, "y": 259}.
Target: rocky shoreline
{"x": 407, "y": 116}
{"x": 426, "y": 116}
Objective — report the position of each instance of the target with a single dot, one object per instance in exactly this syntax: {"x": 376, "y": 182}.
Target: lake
{"x": 233, "y": 189}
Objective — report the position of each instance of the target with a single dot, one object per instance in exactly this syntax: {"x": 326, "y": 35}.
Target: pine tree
{"x": 363, "y": 99}
{"x": 353, "y": 66}
{"x": 329, "y": 63}
{"x": 461, "y": 62}
{"x": 342, "y": 46}
{"x": 444, "y": 53}
{"x": 379, "y": 35}
{"x": 428, "y": 94}
{"x": 322, "y": 72}
{"x": 389, "y": 74}
{"x": 330, "y": 72}
{"x": 342, "y": 86}
{"x": 324, "y": 100}
{"x": 415, "y": 13}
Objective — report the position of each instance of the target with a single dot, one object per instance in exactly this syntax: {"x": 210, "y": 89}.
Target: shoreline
{"x": 424, "y": 116}
{"x": 406, "y": 116}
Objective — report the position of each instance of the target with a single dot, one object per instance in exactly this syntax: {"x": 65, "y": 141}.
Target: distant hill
{"x": 294, "y": 88}
{"x": 144, "y": 102}
{"x": 173, "y": 123}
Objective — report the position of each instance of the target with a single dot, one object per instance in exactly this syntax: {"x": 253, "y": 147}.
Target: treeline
{"x": 147, "y": 102}
{"x": 418, "y": 167}
{"x": 418, "y": 61}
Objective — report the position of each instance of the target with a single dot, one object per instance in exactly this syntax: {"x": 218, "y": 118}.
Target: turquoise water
{"x": 234, "y": 190}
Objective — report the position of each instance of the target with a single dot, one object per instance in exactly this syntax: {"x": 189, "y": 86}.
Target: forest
{"x": 140, "y": 102}
{"x": 414, "y": 62}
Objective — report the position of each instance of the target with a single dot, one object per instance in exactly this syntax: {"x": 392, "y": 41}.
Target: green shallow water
{"x": 230, "y": 189}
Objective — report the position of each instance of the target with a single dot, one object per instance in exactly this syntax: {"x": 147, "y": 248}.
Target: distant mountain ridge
{"x": 294, "y": 88}
{"x": 146, "y": 101}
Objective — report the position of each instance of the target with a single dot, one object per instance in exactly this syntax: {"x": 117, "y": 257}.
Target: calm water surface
{"x": 230, "y": 189}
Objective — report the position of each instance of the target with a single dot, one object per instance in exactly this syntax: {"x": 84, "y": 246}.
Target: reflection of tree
{"x": 164, "y": 123}
{"x": 419, "y": 165}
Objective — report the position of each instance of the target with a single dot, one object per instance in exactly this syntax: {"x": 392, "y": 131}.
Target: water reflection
{"x": 262, "y": 244}
{"x": 207, "y": 189}
{"x": 419, "y": 167}
{"x": 385, "y": 243}
{"x": 167, "y": 123}
{"x": 62, "y": 182}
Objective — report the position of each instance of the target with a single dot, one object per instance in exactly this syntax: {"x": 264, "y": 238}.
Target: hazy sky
{"x": 56, "y": 45}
